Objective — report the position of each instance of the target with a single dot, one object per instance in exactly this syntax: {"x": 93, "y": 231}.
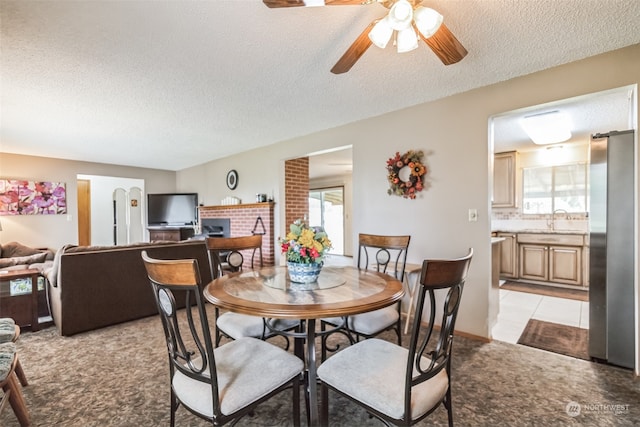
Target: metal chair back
{"x": 385, "y": 254}
{"x": 430, "y": 343}
{"x": 226, "y": 253}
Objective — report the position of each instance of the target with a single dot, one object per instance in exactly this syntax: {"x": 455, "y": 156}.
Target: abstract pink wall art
{"x": 20, "y": 197}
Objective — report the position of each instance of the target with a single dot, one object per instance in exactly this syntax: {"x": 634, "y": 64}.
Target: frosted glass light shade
{"x": 400, "y": 15}
{"x": 380, "y": 34}
{"x": 406, "y": 40}
{"x": 547, "y": 128}
{"x": 427, "y": 20}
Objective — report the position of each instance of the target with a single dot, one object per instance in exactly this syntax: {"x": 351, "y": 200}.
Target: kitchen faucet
{"x": 552, "y": 225}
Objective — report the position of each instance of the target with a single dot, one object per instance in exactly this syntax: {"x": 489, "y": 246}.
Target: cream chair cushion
{"x": 373, "y": 372}
{"x": 371, "y": 322}
{"x": 247, "y": 368}
{"x": 238, "y": 325}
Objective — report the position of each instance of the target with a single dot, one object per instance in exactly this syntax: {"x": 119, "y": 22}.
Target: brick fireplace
{"x": 245, "y": 220}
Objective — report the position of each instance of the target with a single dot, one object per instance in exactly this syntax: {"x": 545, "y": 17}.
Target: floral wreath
{"x": 405, "y": 174}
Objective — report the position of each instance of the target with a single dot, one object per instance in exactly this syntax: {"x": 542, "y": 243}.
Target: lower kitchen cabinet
{"x": 534, "y": 262}
{"x": 550, "y": 263}
{"x": 565, "y": 265}
{"x": 508, "y": 256}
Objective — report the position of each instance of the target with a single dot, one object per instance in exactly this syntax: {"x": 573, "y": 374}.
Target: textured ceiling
{"x": 173, "y": 84}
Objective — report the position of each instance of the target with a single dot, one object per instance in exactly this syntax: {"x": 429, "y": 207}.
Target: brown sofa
{"x": 16, "y": 256}
{"x": 94, "y": 287}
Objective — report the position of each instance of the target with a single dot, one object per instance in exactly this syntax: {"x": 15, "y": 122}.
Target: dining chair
{"x": 226, "y": 256}
{"x": 10, "y": 384}
{"x": 401, "y": 385}
{"x": 384, "y": 254}
{"x": 221, "y": 384}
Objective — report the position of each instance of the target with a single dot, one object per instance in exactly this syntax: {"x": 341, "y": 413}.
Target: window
{"x": 546, "y": 189}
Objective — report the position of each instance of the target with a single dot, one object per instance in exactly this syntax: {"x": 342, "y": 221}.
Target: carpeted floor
{"x": 562, "y": 339}
{"x": 551, "y": 291}
{"x": 118, "y": 376}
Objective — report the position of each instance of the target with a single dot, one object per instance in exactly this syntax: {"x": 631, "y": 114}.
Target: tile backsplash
{"x": 513, "y": 220}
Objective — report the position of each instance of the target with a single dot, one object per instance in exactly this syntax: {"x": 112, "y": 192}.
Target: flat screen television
{"x": 172, "y": 209}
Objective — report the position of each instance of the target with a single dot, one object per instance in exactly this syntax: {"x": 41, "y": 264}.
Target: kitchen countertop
{"x": 538, "y": 231}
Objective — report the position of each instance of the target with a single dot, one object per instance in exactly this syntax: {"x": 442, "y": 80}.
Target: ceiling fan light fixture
{"x": 381, "y": 33}
{"x": 406, "y": 40}
{"x": 427, "y": 20}
{"x": 400, "y": 15}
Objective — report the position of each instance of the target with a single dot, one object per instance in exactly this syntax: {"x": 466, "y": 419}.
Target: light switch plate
{"x": 473, "y": 215}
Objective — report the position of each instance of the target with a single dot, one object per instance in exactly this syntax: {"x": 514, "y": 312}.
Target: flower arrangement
{"x": 405, "y": 174}
{"x": 304, "y": 244}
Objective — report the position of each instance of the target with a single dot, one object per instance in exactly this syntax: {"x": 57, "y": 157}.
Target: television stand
{"x": 174, "y": 234}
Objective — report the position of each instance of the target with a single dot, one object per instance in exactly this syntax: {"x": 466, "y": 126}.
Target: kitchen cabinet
{"x": 551, "y": 258}
{"x": 504, "y": 180}
{"x": 508, "y": 255}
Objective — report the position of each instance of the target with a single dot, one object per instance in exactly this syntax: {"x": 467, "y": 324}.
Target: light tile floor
{"x": 516, "y": 308}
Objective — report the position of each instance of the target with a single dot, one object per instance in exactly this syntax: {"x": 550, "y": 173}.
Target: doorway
{"x": 84, "y": 212}
{"x": 331, "y": 181}
{"x": 326, "y": 210}
{"x": 97, "y": 209}
{"x": 598, "y": 112}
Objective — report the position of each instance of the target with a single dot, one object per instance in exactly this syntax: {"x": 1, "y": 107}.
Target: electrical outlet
{"x": 473, "y": 215}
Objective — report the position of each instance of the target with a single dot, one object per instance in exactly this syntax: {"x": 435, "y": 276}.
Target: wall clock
{"x": 232, "y": 179}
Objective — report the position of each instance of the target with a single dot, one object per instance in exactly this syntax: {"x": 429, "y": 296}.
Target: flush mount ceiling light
{"x": 407, "y": 22}
{"x": 549, "y": 127}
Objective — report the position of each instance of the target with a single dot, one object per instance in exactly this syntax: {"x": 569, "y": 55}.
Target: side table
{"x": 22, "y": 308}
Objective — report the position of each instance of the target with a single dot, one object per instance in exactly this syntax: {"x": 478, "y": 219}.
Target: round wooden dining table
{"x": 338, "y": 292}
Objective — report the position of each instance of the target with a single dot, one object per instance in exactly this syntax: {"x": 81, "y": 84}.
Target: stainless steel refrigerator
{"x": 611, "y": 257}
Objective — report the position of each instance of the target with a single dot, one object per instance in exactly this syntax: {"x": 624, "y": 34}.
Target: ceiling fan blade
{"x": 355, "y": 51}
{"x": 298, "y": 3}
{"x": 445, "y": 45}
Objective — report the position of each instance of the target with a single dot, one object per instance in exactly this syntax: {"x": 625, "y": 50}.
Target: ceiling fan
{"x": 407, "y": 20}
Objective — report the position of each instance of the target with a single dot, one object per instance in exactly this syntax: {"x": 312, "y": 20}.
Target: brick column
{"x": 296, "y": 181}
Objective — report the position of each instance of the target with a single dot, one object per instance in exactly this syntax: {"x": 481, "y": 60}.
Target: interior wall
{"x": 54, "y": 231}
{"x": 454, "y": 136}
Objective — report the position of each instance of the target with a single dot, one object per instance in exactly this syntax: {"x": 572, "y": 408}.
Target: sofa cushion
{"x": 18, "y": 260}
{"x": 15, "y": 249}
{"x": 73, "y": 249}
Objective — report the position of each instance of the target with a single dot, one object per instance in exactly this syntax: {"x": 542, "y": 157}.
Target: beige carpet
{"x": 561, "y": 339}
{"x": 118, "y": 376}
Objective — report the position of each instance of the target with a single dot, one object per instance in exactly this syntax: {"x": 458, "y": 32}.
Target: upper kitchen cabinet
{"x": 504, "y": 180}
